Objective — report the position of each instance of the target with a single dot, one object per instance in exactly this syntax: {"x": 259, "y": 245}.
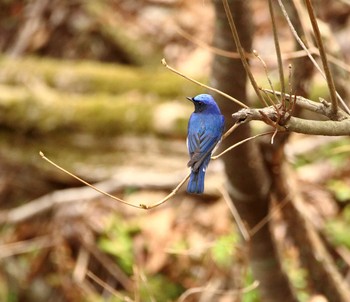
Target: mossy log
{"x": 45, "y": 95}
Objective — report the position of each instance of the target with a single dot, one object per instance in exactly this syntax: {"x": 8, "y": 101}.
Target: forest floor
{"x": 123, "y": 128}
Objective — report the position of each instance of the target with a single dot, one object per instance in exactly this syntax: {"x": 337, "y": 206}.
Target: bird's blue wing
{"x": 202, "y": 140}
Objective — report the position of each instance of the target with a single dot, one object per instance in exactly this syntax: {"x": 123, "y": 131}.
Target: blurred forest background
{"x": 82, "y": 81}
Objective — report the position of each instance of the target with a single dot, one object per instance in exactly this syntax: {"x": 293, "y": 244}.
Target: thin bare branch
{"x": 195, "y": 290}
{"x": 323, "y": 55}
{"x": 143, "y": 205}
{"x": 240, "y": 224}
{"x": 203, "y": 85}
{"x": 241, "y": 142}
{"x": 81, "y": 265}
{"x": 107, "y": 287}
{"x": 241, "y": 50}
{"x": 107, "y": 263}
{"x": 173, "y": 193}
{"x": 277, "y": 47}
{"x": 220, "y": 52}
{"x": 139, "y": 206}
{"x": 265, "y": 220}
{"x": 86, "y": 183}
{"x": 322, "y": 107}
{"x": 285, "y": 55}
{"x": 267, "y": 76}
{"x": 25, "y": 246}
{"x": 301, "y": 43}
{"x": 229, "y": 131}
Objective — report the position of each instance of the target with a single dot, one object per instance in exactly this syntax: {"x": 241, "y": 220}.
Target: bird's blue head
{"x": 204, "y": 103}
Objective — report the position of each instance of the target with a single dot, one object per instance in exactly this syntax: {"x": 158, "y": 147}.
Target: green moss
{"x": 340, "y": 189}
{"x": 75, "y": 111}
{"x": 99, "y": 113}
{"x": 338, "y": 229}
{"x": 159, "y": 288}
{"x": 117, "y": 241}
{"x": 223, "y": 250}
{"x": 107, "y": 115}
{"x": 88, "y": 77}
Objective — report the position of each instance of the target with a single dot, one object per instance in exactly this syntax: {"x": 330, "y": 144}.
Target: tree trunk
{"x": 248, "y": 180}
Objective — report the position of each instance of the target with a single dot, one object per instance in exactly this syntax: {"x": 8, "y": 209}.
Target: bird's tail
{"x": 196, "y": 182}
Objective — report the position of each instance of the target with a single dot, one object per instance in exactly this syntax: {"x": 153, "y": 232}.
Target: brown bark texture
{"x": 248, "y": 180}
{"x": 323, "y": 275}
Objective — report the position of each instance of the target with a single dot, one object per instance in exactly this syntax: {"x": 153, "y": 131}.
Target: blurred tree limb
{"x": 251, "y": 184}
{"x": 248, "y": 180}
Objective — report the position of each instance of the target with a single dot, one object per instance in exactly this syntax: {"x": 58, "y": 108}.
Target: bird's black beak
{"x": 189, "y": 98}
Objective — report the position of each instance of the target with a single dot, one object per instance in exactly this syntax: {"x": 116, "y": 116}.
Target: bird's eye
{"x": 200, "y": 103}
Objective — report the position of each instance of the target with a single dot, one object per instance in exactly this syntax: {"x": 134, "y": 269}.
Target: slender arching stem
{"x": 327, "y": 71}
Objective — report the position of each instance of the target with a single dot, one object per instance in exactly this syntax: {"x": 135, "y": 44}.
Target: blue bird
{"x": 205, "y": 128}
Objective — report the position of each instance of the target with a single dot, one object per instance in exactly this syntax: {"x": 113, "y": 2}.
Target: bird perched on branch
{"x": 205, "y": 128}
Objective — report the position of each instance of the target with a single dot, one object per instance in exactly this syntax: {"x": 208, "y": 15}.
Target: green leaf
{"x": 223, "y": 250}
{"x": 159, "y": 288}
{"x": 338, "y": 229}
{"x": 118, "y": 241}
{"x": 340, "y": 189}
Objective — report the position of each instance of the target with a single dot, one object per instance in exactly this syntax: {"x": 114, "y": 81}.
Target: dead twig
{"x": 277, "y": 47}
{"x": 107, "y": 287}
{"x": 109, "y": 265}
{"x": 241, "y": 51}
{"x": 327, "y": 71}
{"x": 322, "y": 107}
{"x": 302, "y": 44}
{"x": 235, "y": 292}
{"x": 25, "y": 246}
{"x": 240, "y": 143}
{"x": 5, "y": 216}
{"x": 203, "y": 85}
{"x": 240, "y": 224}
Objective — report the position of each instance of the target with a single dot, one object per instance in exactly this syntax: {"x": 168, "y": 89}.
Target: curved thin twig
{"x": 327, "y": 71}
{"x": 241, "y": 50}
{"x": 277, "y": 47}
{"x": 240, "y": 143}
{"x": 203, "y": 85}
{"x": 139, "y": 206}
{"x": 166, "y": 198}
